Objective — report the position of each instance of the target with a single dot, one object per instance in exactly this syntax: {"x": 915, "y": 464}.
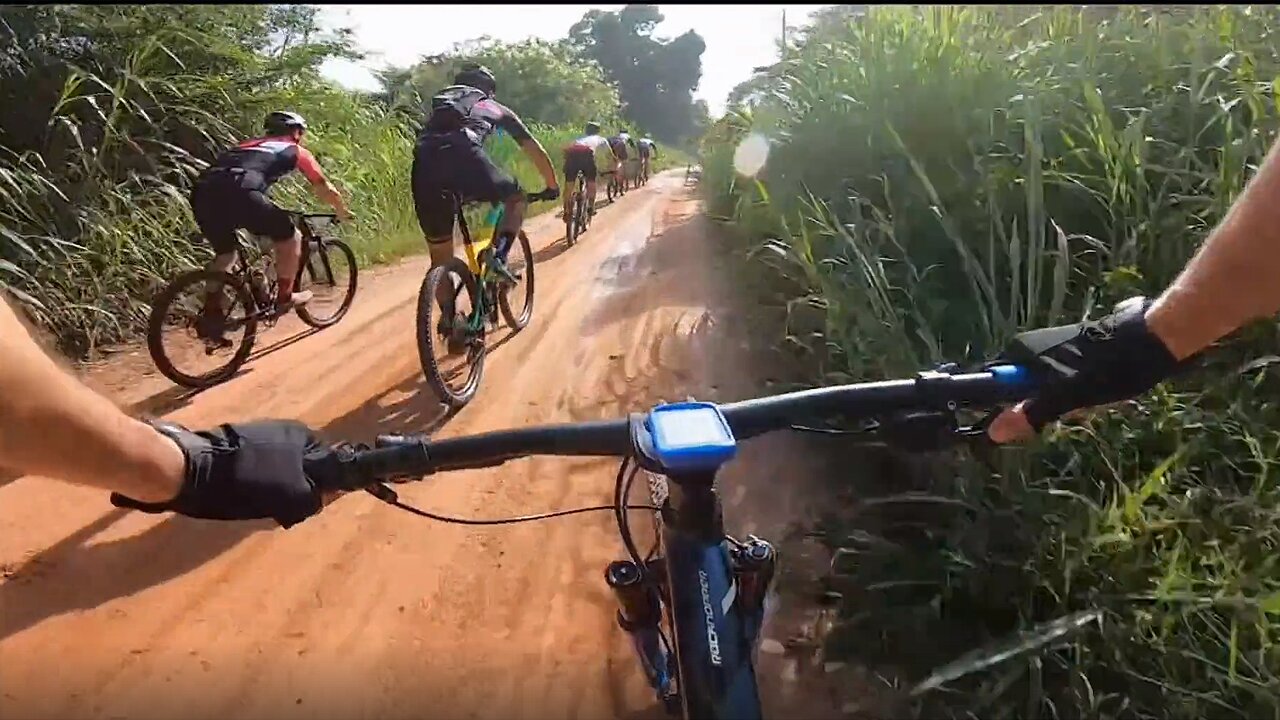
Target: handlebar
{"x": 332, "y": 217}
{"x": 414, "y": 456}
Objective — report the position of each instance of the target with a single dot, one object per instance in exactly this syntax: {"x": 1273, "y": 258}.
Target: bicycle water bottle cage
{"x": 682, "y": 438}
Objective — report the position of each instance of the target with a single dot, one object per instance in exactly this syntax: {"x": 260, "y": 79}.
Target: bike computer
{"x": 690, "y": 436}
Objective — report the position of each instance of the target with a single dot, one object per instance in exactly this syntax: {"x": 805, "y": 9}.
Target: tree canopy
{"x": 546, "y": 82}
{"x": 656, "y": 78}
{"x": 610, "y": 68}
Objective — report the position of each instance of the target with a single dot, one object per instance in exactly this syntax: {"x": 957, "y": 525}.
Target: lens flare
{"x": 752, "y": 152}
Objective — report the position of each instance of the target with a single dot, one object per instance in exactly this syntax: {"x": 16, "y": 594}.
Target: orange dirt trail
{"x": 366, "y": 611}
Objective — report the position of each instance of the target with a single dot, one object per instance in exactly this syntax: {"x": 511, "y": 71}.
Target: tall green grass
{"x": 940, "y": 178}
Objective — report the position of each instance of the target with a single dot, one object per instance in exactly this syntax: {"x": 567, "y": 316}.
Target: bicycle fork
{"x": 640, "y": 596}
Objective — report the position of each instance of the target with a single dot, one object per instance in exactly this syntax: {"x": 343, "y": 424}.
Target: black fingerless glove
{"x": 243, "y": 471}
{"x": 1092, "y": 363}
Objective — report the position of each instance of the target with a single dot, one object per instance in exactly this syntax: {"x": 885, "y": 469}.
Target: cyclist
{"x": 232, "y": 194}
{"x": 585, "y": 155}
{"x": 619, "y": 144}
{"x": 450, "y": 160}
{"x": 646, "y": 148}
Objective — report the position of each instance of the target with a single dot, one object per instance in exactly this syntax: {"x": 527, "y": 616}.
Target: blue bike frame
{"x": 715, "y": 643}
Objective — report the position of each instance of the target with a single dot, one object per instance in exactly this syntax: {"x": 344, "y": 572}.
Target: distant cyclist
{"x": 620, "y": 143}
{"x": 587, "y": 155}
{"x": 646, "y": 148}
{"x": 232, "y": 194}
{"x": 450, "y": 160}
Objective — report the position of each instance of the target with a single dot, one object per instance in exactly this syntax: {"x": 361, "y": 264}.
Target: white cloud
{"x": 738, "y": 37}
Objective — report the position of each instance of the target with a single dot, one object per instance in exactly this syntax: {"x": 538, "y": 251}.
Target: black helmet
{"x": 478, "y": 77}
{"x": 622, "y": 131}
{"x": 593, "y": 128}
{"x": 283, "y": 121}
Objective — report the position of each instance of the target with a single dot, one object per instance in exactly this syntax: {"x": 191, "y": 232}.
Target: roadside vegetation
{"x": 938, "y": 179}
{"x": 108, "y": 112}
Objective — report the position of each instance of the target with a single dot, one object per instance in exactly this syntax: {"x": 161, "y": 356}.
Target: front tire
{"x": 308, "y": 312}
{"x": 514, "y": 321}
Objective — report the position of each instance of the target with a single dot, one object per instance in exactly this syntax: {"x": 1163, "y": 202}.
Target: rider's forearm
{"x": 541, "y": 160}
{"x": 53, "y": 426}
{"x": 330, "y": 195}
{"x": 1233, "y": 278}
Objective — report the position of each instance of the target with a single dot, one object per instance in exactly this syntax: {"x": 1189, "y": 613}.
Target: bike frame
{"x": 309, "y": 238}
{"x": 479, "y": 306}
{"x": 715, "y": 643}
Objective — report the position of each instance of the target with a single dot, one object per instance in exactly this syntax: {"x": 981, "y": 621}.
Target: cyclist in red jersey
{"x": 232, "y": 194}
{"x": 583, "y": 156}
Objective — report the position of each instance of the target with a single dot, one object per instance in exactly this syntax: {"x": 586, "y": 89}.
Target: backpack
{"x": 451, "y": 107}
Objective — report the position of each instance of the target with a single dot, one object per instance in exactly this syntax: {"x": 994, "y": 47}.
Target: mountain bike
{"x": 449, "y": 329}
{"x": 246, "y": 296}
{"x": 694, "y": 605}
{"x": 644, "y": 173}
{"x": 631, "y": 174}
{"x": 581, "y": 211}
{"x": 613, "y": 189}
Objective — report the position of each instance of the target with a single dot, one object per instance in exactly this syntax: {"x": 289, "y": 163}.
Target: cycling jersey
{"x": 260, "y": 162}
{"x": 587, "y": 155}
{"x": 472, "y": 112}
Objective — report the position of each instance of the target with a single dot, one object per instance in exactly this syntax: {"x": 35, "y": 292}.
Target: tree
{"x": 656, "y": 78}
{"x": 543, "y": 81}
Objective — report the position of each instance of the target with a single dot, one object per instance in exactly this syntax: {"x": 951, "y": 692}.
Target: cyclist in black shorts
{"x": 585, "y": 155}
{"x": 620, "y": 143}
{"x": 232, "y": 194}
{"x": 646, "y": 149}
{"x": 450, "y": 160}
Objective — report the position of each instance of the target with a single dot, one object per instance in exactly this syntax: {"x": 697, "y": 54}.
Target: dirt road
{"x": 366, "y": 611}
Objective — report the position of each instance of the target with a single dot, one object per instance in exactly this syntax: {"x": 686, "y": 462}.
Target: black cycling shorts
{"x": 579, "y": 161}
{"x": 620, "y": 149}
{"x": 221, "y": 207}
{"x": 643, "y": 150}
{"x": 447, "y": 164}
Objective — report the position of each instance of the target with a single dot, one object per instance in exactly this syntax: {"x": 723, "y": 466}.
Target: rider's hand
{"x": 244, "y": 471}
{"x": 1083, "y": 366}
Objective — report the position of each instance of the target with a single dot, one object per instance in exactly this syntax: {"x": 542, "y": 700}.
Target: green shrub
{"x": 941, "y": 177}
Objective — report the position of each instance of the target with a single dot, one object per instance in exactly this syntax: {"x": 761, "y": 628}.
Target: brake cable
{"x": 384, "y": 493}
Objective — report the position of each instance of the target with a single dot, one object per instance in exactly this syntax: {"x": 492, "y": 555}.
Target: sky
{"x": 738, "y": 37}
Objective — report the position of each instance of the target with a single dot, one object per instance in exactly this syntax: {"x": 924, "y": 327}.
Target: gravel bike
{"x": 245, "y": 296}
{"x": 694, "y": 606}
{"x": 450, "y": 329}
{"x": 581, "y": 210}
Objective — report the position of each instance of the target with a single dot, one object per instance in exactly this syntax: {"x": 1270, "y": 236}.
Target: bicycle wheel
{"x": 178, "y": 352}
{"x": 330, "y": 274}
{"x": 573, "y": 220}
{"x": 521, "y": 265}
{"x": 452, "y": 355}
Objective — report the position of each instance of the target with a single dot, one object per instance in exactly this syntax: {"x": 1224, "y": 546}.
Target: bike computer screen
{"x": 691, "y": 436}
